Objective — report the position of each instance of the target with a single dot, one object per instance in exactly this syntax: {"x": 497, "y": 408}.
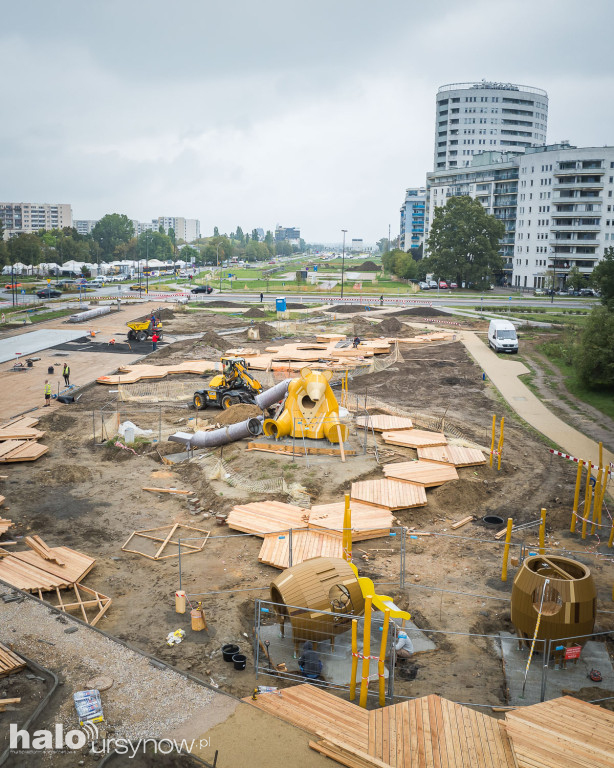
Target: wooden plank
{"x": 414, "y": 438}
{"x": 368, "y": 522}
{"x": 39, "y": 546}
{"x": 305, "y": 545}
{"x": 264, "y": 517}
{"x": 458, "y": 455}
{"x": 425, "y": 473}
{"x": 169, "y": 490}
{"x": 462, "y": 522}
{"x": 16, "y": 450}
{"x": 5, "y": 524}
{"x": 388, "y": 493}
{"x": 77, "y": 564}
{"x": 10, "y": 662}
{"x": 288, "y": 450}
{"x": 382, "y": 422}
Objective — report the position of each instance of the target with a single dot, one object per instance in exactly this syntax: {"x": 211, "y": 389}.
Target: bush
{"x": 595, "y": 352}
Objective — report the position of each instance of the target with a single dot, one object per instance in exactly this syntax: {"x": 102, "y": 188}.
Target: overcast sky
{"x": 316, "y": 115}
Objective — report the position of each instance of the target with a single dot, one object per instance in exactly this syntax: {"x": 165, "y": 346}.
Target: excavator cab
{"x": 234, "y": 385}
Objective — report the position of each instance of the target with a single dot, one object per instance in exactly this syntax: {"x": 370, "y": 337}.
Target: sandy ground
{"x": 90, "y": 498}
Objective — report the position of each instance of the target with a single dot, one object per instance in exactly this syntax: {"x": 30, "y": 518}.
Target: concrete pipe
{"x": 251, "y": 427}
{"x": 273, "y": 395}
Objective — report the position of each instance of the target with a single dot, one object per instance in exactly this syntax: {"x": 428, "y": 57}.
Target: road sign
{"x": 23, "y": 291}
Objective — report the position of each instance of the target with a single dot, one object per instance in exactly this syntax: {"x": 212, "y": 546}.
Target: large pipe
{"x": 251, "y": 427}
{"x": 273, "y": 395}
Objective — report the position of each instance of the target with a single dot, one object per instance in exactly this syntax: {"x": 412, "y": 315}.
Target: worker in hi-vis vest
{"x": 47, "y": 393}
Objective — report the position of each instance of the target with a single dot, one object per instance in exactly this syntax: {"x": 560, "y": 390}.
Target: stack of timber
{"x": 21, "y": 450}
{"x": 414, "y": 438}
{"x": 20, "y": 429}
{"x": 33, "y": 573}
{"x": 275, "y": 548}
{"x": 387, "y": 493}
{"x": 425, "y": 473}
{"x": 453, "y": 454}
{"x": 5, "y": 524}
{"x": 382, "y": 422}
{"x": 267, "y": 517}
{"x": 10, "y": 662}
{"x": 368, "y": 521}
{"x": 272, "y": 446}
{"x": 560, "y": 733}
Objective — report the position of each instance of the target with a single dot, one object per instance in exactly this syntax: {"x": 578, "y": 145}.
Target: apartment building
{"x": 185, "y": 229}
{"x": 486, "y": 116}
{"x": 19, "y": 218}
{"x": 84, "y": 226}
{"x": 413, "y": 212}
{"x": 289, "y": 234}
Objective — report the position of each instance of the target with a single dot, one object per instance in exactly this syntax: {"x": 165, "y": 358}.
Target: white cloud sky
{"x": 314, "y": 115}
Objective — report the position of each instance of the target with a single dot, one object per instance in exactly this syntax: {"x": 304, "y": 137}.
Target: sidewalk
{"x": 504, "y": 373}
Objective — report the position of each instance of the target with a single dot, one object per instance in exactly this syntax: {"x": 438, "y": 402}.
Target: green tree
{"x": 575, "y": 279}
{"x": 112, "y": 230}
{"x": 238, "y": 235}
{"x": 189, "y": 254}
{"x": 270, "y": 241}
{"x": 255, "y": 237}
{"x": 464, "y": 242}
{"x": 216, "y": 232}
{"x": 595, "y": 352}
{"x": 400, "y": 264}
{"x": 603, "y": 278}
{"x": 25, "y": 248}
{"x": 283, "y": 248}
{"x": 4, "y": 251}
{"x": 154, "y": 245}
{"x": 383, "y": 245}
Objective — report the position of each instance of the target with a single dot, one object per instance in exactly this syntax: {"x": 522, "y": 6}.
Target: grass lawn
{"x": 577, "y": 321}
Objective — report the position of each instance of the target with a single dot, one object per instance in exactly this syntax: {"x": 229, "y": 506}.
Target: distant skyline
{"x": 315, "y": 115}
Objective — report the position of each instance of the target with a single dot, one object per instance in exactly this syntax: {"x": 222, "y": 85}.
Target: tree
{"x": 154, "y": 245}
{"x": 255, "y": 237}
{"x": 112, "y": 230}
{"x": 383, "y": 245}
{"x": 603, "y": 278}
{"x": 400, "y": 264}
{"x": 238, "y": 235}
{"x": 25, "y": 248}
{"x": 595, "y": 352}
{"x": 189, "y": 254}
{"x": 216, "y": 232}
{"x": 4, "y": 251}
{"x": 270, "y": 240}
{"x": 575, "y": 279}
{"x": 464, "y": 242}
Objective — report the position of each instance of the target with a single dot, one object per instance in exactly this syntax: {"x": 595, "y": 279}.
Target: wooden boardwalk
{"x": 305, "y": 545}
{"x": 425, "y": 473}
{"x": 381, "y": 422}
{"x": 564, "y": 733}
{"x": 317, "y": 712}
{"x": 263, "y": 517}
{"x": 453, "y": 454}
{"x": 391, "y": 494}
{"x": 368, "y": 521}
{"x": 414, "y": 438}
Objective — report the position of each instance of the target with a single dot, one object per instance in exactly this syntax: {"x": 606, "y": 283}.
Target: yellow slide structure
{"x": 311, "y": 410}
{"x": 381, "y": 602}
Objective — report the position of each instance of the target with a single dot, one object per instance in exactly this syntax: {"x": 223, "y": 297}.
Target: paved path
{"x": 504, "y": 373}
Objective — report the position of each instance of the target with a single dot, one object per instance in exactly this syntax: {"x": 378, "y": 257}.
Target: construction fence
{"x": 163, "y": 420}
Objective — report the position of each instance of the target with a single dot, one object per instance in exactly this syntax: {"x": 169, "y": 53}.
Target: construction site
{"x": 329, "y": 528}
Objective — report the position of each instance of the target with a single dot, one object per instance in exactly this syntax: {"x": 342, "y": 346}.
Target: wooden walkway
{"x": 564, "y": 733}
{"x": 391, "y": 494}
{"x": 21, "y": 450}
{"x": 381, "y": 422}
{"x": 368, "y": 521}
{"x": 305, "y": 545}
{"x": 414, "y": 438}
{"x": 425, "y": 473}
{"x": 317, "y": 712}
{"x": 263, "y": 517}
{"x": 453, "y": 454}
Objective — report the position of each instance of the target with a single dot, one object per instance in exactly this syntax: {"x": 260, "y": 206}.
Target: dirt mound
{"x": 237, "y": 413}
{"x": 221, "y": 303}
{"x": 296, "y": 305}
{"x": 67, "y": 475}
{"x": 368, "y": 266}
{"x": 207, "y": 347}
{"x": 469, "y": 494}
{"x": 266, "y": 331}
{"x": 57, "y": 422}
{"x": 163, "y": 313}
{"x": 363, "y": 327}
{"x": 390, "y": 325}
{"x": 422, "y": 312}
{"x": 254, "y": 312}
{"x": 213, "y": 339}
{"x": 342, "y": 309}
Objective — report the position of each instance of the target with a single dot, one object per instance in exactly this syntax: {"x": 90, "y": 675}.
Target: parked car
{"x": 539, "y": 292}
{"x": 587, "y": 292}
{"x": 424, "y": 286}
{"x": 453, "y": 285}
{"x": 137, "y": 287}
{"x": 202, "y": 289}
{"x": 10, "y": 286}
{"x": 432, "y": 283}
{"x": 48, "y": 293}
{"x": 443, "y": 284}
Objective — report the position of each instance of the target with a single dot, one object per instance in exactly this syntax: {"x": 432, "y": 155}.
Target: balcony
{"x": 577, "y": 183}
{"x": 568, "y": 200}
{"x": 564, "y": 241}
{"x": 575, "y": 227}
{"x": 506, "y": 202}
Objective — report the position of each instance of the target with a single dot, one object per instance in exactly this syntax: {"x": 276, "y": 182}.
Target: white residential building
{"x": 185, "y": 229}
{"x": 476, "y": 117}
{"x": 84, "y": 226}
{"x": 412, "y": 218}
{"x": 18, "y": 218}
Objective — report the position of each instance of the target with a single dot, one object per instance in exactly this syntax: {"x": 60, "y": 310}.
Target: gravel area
{"x": 144, "y": 701}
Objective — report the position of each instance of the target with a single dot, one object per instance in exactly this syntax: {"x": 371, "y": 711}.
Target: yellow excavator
{"x": 234, "y": 385}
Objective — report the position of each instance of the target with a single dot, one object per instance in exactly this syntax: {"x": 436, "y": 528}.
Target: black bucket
{"x": 228, "y": 651}
{"x": 51, "y": 370}
{"x": 239, "y": 660}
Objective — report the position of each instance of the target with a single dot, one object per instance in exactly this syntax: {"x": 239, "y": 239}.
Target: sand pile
{"x": 390, "y": 325}
{"x": 254, "y": 312}
{"x": 237, "y": 413}
{"x": 266, "y": 331}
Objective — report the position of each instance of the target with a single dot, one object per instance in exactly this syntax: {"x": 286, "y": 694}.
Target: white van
{"x": 502, "y": 336}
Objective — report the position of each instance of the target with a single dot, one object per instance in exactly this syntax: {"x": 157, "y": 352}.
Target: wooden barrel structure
{"x": 311, "y": 593}
{"x": 569, "y": 600}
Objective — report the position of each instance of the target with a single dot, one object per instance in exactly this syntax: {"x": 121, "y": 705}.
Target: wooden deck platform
{"x": 29, "y": 571}
{"x": 368, "y": 521}
{"x": 381, "y": 422}
{"x": 414, "y": 438}
{"x": 388, "y": 493}
{"x": 305, "y": 545}
{"x": 425, "y": 473}
{"x": 5, "y": 524}
{"x": 317, "y": 712}
{"x": 267, "y": 517}
{"x": 562, "y": 733}
{"x": 10, "y": 662}
{"x": 21, "y": 450}
{"x": 453, "y": 454}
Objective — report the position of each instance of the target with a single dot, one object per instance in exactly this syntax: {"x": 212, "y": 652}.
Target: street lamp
{"x": 147, "y": 264}
{"x": 343, "y": 261}
{"x": 219, "y": 266}
{"x": 553, "y": 280}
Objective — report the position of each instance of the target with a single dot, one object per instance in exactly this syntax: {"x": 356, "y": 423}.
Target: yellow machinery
{"x": 311, "y": 410}
{"x": 234, "y": 385}
{"x": 141, "y": 330}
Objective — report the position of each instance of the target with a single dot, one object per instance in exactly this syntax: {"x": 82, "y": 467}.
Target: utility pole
{"x": 389, "y": 243}
{"x": 343, "y": 261}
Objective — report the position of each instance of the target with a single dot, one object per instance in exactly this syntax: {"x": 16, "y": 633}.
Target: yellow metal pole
{"x": 587, "y": 499}
{"x": 596, "y": 510}
{"x": 611, "y": 539}
{"x": 366, "y": 650}
{"x": 492, "y": 441}
{"x": 382, "y": 659}
{"x": 576, "y": 497}
{"x": 542, "y": 533}
{"x": 500, "y": 446}
{"x": 600, "y": 455}
{"x": 506, "y": 550}
{"x": 347, "y": 530}
{"x": 354, "y": 659}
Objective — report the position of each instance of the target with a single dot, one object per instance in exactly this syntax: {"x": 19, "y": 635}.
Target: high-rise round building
{"x": 485, "y": 116}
